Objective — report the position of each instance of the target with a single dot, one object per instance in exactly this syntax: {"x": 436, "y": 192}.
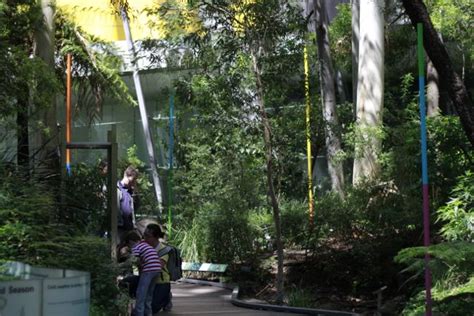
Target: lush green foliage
{"x": 220, "y": 207}
{"x": 95, "y": 67}
{"x": 457, "y": 215}
{"x": 25, "y": 77}
{"x": 36, "y": 229}
{"x": 452, "y": 270}
{"x": 340, "y": 31}
{"x": 85, "y": 203}
{"x": 451, "y": 261}
{"x": 453, "y": 18}
{"x": 218, "y": 196}
{"x": 25, "y": 207}
{"x": 299, "y": 297}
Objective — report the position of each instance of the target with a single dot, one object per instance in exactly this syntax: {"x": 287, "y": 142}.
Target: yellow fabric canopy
{"x": 97, "y": 18}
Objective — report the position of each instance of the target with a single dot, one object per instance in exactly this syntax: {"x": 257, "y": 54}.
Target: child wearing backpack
{"x": 171, "y": 268}
{"x": 150, "y": 267}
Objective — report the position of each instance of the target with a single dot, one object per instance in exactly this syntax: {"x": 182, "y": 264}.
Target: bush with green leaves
{"x": 217, "y": 234}
{"x": 366, "y": 228}
{"x": 453, "y": 277}
{"x": 85, "y": 202}
{"x": 295, "y": 222}
{"x": 449, "y": 153}
{"x": 228, "y": 236}
{"x": 450, "y": 261}
{"x": 300, "y": 297}
{"x": 26, "y": 208}
{"x": 457, "y": 215}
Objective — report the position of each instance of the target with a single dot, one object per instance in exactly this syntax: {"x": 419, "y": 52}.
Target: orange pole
{"x": 68, "y": 112}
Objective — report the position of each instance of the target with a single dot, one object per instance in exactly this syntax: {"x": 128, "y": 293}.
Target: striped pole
{"x": 170, "y": 169}
{"x": 424, "y": 167}
{"x": 68, "y": 111}
{"x": 308, "y": 135}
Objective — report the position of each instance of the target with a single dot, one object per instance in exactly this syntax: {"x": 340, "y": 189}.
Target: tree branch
{"x": 417, "y": 12}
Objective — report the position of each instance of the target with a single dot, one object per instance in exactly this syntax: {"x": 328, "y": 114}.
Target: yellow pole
{"x": 308, "y": 135}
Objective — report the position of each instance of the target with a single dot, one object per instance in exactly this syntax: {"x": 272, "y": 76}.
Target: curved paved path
{"x": 193, "y": 299}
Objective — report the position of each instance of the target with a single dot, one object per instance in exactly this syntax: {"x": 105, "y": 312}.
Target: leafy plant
{"x": 457, "y": 215}
{"x": 451, "y": 261}
{"x": 299, "y": 297}
{"x": 452, "y": 270}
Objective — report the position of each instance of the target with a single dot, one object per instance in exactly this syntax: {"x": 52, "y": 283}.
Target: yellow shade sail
{"x": 97, "y": 17}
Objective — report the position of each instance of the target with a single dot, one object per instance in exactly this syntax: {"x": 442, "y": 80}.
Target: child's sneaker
{"x": 168, "y": 307}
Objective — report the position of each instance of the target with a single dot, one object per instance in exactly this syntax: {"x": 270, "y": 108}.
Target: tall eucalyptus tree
{"x": 355, "y": 6}
{"x": 328, "y": 97}
{"x": 370, "y": 91}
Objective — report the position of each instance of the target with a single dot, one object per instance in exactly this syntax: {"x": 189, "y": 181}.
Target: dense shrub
{"x": 367, "y": 229}
{"x": 457, "y": 215}
{"x": 85, "y": 202}
{"x": 450, "y": 261}
{"x": 217, "y": 235}
{"x": 26, "y": 207}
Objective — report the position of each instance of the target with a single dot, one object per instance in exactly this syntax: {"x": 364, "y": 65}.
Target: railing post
{"x": 112, "y": 153}
{"x": 62, "y": 164}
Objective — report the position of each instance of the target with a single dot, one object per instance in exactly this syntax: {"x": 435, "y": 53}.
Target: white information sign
{"x": 22, "y": 298}
{"x": 43, "y": 291}
{"x": 68, "y": 296}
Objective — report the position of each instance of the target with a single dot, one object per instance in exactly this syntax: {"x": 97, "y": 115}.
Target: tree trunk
{"x": 355, "y": 48}
{"x": 23, "y": 145}
{"x": 45, "y": 139}
{"x": 341, "y": 89}
{"x": 432, "y": 89}
{"x": 267, "y": 137}
{"x": 328, "y": 93}
{"x": 370, "y": 90}
{"x": 417, "y": 12}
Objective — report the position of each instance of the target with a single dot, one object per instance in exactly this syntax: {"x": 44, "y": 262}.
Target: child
{"x": 149, "y": 266}
{"x": 162, "y": 295}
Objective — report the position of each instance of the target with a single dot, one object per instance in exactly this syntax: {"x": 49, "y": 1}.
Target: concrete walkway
{"x": 192, "y": 299}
